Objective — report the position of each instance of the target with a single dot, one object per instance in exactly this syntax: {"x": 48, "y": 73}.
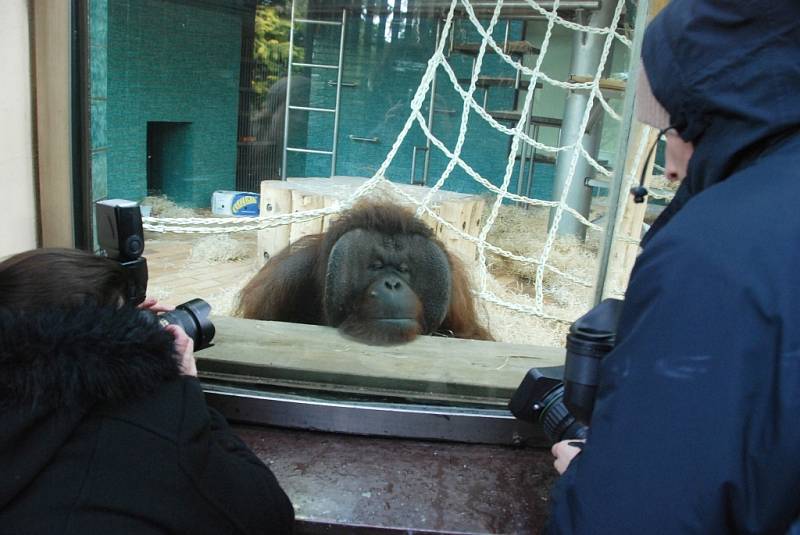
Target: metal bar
{"x": 320, "y": 22}
{"x": 338, "y": 94}
{"x": 288, "y": 96}
{"x": 586, "y": 52}
{"x": 364, "y": 139}
{"x": 452, "y": 33}
{"x": 505, "y": 37}
{"x": 426, "y": 164}
{"x": 316, "y": 65}
{"x": 529, "y": 181}
{"x": 422, "y": 422}
{"x": 616, "y": 190}
{"x": 83, "y": 206}
{"x": 309, "y": 108}
{"x": 414, "y": 150}
{"x": 309, "y": 151}
{"x": 333, "y": 83}
{"x": 562, "y": 5}
{"x": 524, "y": 151}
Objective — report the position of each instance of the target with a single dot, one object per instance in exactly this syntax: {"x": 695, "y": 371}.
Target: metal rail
{"x": 338, "y": 94}
{"x": 422, "y": 422}
{"x": 309, "y": 108}
{"x": 309, "y": 151}
{"x": 364, "y": 139}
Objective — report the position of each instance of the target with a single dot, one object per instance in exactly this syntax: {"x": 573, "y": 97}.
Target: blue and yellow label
{"x": 245, "y": 204}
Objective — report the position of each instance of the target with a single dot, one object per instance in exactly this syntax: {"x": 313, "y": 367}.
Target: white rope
{"x": 551, "y": 235}
{"x": 517, "y": 134}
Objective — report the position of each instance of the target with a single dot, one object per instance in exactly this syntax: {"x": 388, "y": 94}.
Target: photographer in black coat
{"x": 104, "y": 424}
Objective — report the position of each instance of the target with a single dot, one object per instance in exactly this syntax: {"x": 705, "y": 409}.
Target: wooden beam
{"x": 51, "y": 22}
{"x": 624, "y": 253}
{"x": 429, "y": 368}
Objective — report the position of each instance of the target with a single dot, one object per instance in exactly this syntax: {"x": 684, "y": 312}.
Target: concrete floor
{"x": 175, "y": 277}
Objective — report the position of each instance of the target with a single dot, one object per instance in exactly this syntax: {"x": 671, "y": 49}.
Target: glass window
{"x": 196, "y": 113}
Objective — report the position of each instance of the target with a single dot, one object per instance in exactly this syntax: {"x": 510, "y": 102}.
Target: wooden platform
{"x": 510, "y": 47}
{"x": 433, "y": 369}
{"x": 301, "y": 194}
{"x": 609, "y": 87}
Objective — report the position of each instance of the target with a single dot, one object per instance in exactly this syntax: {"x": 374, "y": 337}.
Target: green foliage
{"x": 271, "y": 47}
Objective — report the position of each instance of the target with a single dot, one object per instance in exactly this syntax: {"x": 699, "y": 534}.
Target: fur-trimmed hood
{"x": 81, "y": 356}
{"x": 56, "y": 365}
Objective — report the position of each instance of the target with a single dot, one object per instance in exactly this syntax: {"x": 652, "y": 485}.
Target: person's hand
{"x": 152, "y": 304}
{"x": 184, "y": 347}
{"x": 564, "y": 452}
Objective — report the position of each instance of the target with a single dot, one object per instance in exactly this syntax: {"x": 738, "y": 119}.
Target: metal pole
{"x": 427, "y": 161}
{"x": 615, "y": 190}
{"x": 586, "y": 51}
{"x": 529, "y": 180}
{"x": 338, "y": 93}
{"x": 524, "y": 151}
{"x": 288, "y": 96}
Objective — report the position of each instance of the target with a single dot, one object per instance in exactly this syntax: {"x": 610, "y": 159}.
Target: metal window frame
{"x": 375, "y": 418}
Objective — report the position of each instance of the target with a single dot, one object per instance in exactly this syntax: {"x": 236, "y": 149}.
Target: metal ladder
{"x": 517, "y": 48}
{"x": 290, "y": 107}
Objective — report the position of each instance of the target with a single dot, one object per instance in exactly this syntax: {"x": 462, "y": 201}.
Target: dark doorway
{"x": 169, "y": 158}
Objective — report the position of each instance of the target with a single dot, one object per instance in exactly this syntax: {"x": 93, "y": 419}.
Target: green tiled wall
{"x": 167, "y": 62}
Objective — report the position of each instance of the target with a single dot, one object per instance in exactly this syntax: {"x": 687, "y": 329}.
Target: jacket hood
{"x": 56, "y": 364}
{"x": 81, "y": 356}
{"x": 727, "y": 72}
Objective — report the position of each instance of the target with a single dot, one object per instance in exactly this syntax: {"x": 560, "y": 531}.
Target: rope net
{"x": 519, "y": 136}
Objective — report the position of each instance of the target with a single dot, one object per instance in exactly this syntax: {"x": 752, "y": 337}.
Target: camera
{"x": 564, "y": 407}
{"x": 120, "y": 235}
{"x": 192, "y": 316}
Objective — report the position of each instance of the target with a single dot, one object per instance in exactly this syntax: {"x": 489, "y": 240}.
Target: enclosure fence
{"x": 519, "y": 136}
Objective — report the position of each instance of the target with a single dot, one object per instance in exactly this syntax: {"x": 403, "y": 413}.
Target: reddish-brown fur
{"x": 290, "y": 286}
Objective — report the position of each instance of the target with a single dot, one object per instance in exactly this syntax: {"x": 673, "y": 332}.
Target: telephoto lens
{"x": 193, "y": 317}
{"x": 590, "y": 338}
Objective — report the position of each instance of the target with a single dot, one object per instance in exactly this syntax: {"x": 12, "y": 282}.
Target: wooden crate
{"x": 463, "y": 211}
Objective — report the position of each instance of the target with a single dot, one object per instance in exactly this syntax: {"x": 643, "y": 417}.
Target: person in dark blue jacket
{"x": 696, "y": 427}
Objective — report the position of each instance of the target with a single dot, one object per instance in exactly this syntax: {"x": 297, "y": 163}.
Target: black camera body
{"x": 564, "y": 408}
{"x": 121, "y": 236}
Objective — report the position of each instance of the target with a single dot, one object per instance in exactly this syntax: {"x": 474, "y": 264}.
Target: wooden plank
{"x": 329, "y": 202}
{"x": 52, "y": 39}
{"x": 511, "y": 47}
{"x": 302, "y": 202}
{"x": 276, "y": 198}
{"x": 431, "y": 367}
{"x": 514, "y": 115}
{"x": 610, "y": 88}
{"x": 623, "y": 254}
{"x": 499, "y": 81}
{"x": 460, "y": 215}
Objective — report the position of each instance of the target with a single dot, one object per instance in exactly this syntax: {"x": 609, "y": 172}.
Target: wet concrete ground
{"x": 350, "y": 484}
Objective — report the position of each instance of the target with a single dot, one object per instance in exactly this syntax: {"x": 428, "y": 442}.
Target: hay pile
{"x": 161, "y": 206}
{"x": 524, "y": 232}
{"x": 510, "y": 326}
{"x": 220, "y": 248}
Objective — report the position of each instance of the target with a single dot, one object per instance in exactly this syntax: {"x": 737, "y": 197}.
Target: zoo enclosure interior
{"x": 502, "y": 124}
